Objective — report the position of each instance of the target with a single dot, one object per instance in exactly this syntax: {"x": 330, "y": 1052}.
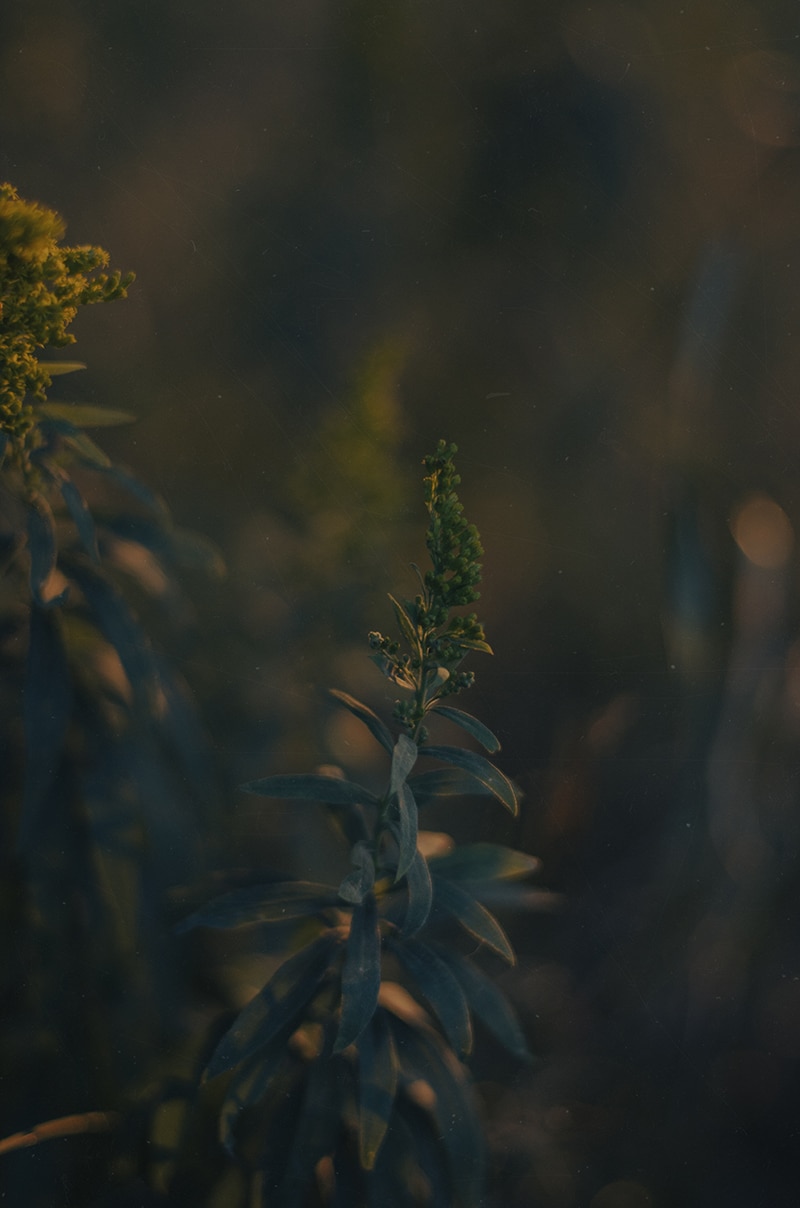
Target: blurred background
{"x": 566, "y": 237}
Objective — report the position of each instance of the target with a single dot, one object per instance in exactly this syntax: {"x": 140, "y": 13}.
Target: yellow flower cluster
{"x": 42, "y": 284}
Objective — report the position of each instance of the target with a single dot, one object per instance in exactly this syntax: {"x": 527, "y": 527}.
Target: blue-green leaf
{"x": 445, "y": 782}
{"x": 377, "y": 1067}
{"x": 276, "y": 903}
{"x": 441, "y": 988}
{"x": 473, "y": 917}
{"x": 483, "y": 862}
{"x": 361, "y": 973}
{"x": 77, "y": 440}
{"x": 472, "y": 726}
{"x": 407, "y": 830}
{"x": 357, "y": 884}
{"x": 277, "y": 1006}
{"x": 490, "y": 776}
{"x": 404, "y": 756}
{"x": 370, "y": 719}
{"x": 329, "y": 789}
{"x": 487, "y": 1002}
{"x": 420, "y": 895}
{"x": 451, "y": 1107}
{"x": 123, "y": 632}
{"x": 81, "y": 517}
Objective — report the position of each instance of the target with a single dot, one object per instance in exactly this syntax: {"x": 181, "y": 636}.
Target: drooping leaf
{"x": 420, "y": 895}
{"x": 361, "y": 973}
{"x": 81, "y": 517}
{"x": 490, "y": 776}
{"x": 83, "y": 415}
{"x": 328, "y": 789}
{"x": 247, "y": 1087}
{"x": 358, "y": 883}
{"x": 370, "y": 719}
{"x": 472, "y": 916}
{"x": 277, "y": 1006}
{"x": 76, "y": 439}
{"x": 445, "y": 782}
{"x": 47, "y": 705}
{"x": 42, "y": 550}
{"x": 124, "y": 478}
{"x": 451, "y": 1106}
{"x": 472, "y": 726}
{"x": 275, "y": 903}
{"x": 483, "y": 862}
{"x": 441, "y": 988}
{"x": 488, "y": 1003}
{"x": 377, "y": 1067}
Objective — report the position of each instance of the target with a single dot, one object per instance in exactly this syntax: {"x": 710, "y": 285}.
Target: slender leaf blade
{"x": 473, "y": 917}
{"x": 484, "y": 862}
{"x": 358, "y": 883}
{"x": 377, "y": 1063}
{"x": 277, "y": 903}
{"x": 488, "y": 1003}
{"x": 407, "y": 626}
{"x": 408, "y": 823}
{"x": 277, "y": 1005}
{"x": 490, "y": 776}
{"x": 57, "y": 368}
{"x": 47, "y": 704}
{"x": 42, "y": 549}
{"x": 420, "y": 895}
{"x": 441, "y": 783}
{"x": 83, "y": 415}
{"x": 441, "y": 988}
{"x": 328, "y": 789}
{"x": 361, "y": 973}
{"x": 248, "y": 1086}
{"x": 472, "y": 725}
{"x": 376, "y": 727}
{"x": 404, "y": 756}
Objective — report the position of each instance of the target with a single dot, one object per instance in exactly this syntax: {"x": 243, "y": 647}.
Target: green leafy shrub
{"x": 345, "y": 1071}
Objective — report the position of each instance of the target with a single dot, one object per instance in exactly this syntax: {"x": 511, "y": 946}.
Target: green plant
{"x": 335, "y": 1074}
{"x": 97, "y": 731}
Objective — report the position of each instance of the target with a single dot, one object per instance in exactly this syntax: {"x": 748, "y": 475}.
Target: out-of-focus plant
{"x": 343, "y": 1078}
{"x": 97, "y": 731}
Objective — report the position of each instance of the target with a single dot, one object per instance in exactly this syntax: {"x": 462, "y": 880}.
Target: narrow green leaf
{"x": 81, "y": 517}
{"x": 80, "y": 415}
{"x": 445, "y": 782}
{"x": 88, "y": 452}
{"x": 487, "y": 1002}
{"x": 277, "y": 1005}
{"x": 490, "y": 776}
{"x": 377, "y": 1067}
{"x": 123, "y": 632}
{"x": 483, "y": 862}
{"x": 472, "y": 725}
{"x": 57, "y": 368}
{"x": 261, "y": 904}
{"x": 369, "y": 718}
{"x": 357, "y": 884}
{"x": 404, "y": 756}
{"x": 361, "y": 973}
{"x": 472, "y": 916}
{"x": 474, "y": 644}
{"x": 441, "y": 988}
{"x": 329, "y": 789}
{"x": 406, "y": 830}
{"x": 420, "y": 895}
